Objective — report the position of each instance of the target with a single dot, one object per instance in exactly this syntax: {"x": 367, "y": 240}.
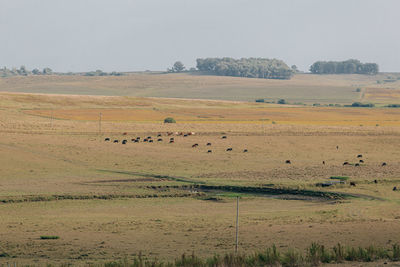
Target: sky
{"x": 138, "y": 35}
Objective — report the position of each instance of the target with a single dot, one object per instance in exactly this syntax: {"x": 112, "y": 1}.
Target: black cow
{"x": 288, "y": 162}
{"x": 375, "y": 181}
{"x": 245, "y": 150}
{"x": 384, "y": 164}
{"x": 159, "y": 139}
{"x": 116, "y": 141}
{"x": 208, "y": 144}
{"x": 224, "y": 137}
{"x": 359, "y": 156}
{"x": 323, "y": 162}
{"x": 352, "y": 184}
{"x": 394, "y": 188}
{"x": 107, "y": 139}
{"x": 151, "y": 141}
{"x": 361, "y": 161}
{"x": 209, "y": 151}
{"x": 229, "y": 149}
{"x": 124, "y": 142}
{"x": 357, "y": 164}
{"x": 346, "y": 163}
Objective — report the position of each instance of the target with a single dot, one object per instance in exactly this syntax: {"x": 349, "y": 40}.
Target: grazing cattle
{"x": 190, "y": 133}
{"x": 323, "y": 162}
{"x": 288, "y": 162}
{"x": 359, "y": 156}
{"x": 107, "y": 139}
{"x": 361, "y": 161}
{"x": 151, "y": 141}
{"x": 224, "y": 137}
{"x": 148, "y": 137}
{"x": 394, "y": 188}
{"x": 384, "y": 164}
{"x": 195, "y": 145}
{"x": 352, "y": 184}
{"x": 209, "y": 151}
{"x": 185, "y": 135}
{"x": 375, "y": 181}
{"x": 170, "y": 133}
{"x": 133, "y": 139}
{"x": 145, "y": 140}
{"x": 124, "y": 133}
{"x": 171, "y": 141}
{"x": 208, "y": 144}
{"x": 124, "y": 142}
{"x": 346, "y": 163}
{"x": 245, "y": 150}
{"x": 357, "y": 164}
{"x": 136, "y": 141}
{"x": 116, "y": 141}
{"x": 159, "y": 139}
{"x": 337, "y": 147}
{"x": 158, "y": 135}
{"x": 138, "y": 138}
{"x": 229, "y": 149}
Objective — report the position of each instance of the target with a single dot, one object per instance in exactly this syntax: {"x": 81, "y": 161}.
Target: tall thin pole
{"x": 100, "y": 123}
{"x": 237, "y": 225}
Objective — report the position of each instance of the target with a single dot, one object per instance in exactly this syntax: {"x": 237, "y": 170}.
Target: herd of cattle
{"x": 171, "y": 140}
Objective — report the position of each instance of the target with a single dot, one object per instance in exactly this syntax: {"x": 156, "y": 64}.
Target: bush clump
{"x": 169, "y": 120}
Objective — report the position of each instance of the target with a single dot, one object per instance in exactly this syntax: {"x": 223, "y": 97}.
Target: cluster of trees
{"x": 102, "y": 73}
{"x": 23, "y": 71}
{"x": 246, "y": 67}
{"x": 350, "y": 66}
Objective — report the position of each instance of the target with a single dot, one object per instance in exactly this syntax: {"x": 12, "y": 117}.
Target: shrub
{"x": 363, "y": 105}
{"x": 261, "y": 100}
{"x": 49, "y": 237}
{"x": 341, "y": 178}
{"x": 292, "y": 259}
{"x": 358, "y": 90}
{"x": 393, "y": 106}
{"x": 281, "y": 101}
{"x": 169, "y": 120}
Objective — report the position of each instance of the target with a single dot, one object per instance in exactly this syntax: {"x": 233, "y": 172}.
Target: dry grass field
{"x": 302, "y": 88}
{"x": 108, "y": 201}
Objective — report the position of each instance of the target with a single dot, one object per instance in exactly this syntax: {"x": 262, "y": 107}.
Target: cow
{"x": 136, "y": 141}
{"x": 116, "y": 141}
{"x": 229, "y": 149}
{"x": 159, "y": 139}
{"x": 145, "y": 140}
{"x": 151, "y": 141}
{"x": 352, "y": 184}
{"x": 124, "y": 142}
{"x": 224, "y": 137}
{"x": 138, "y": 138}
{"x": 125, "y": 133}
{"x": 107, "y": 139}
{"x": 170, "y": 133}
{"x": 359, "y": 156}
{"x": 171, "y": 141}
{"x": 361, "y": 161}
{"x": 245, "y": 150}
{"x": 375, "y": 181}
{"x": 357, "y": 165}
{"x": 159, "y": 135}
{"x": 394, "y": 188}
{"x": 323, "y": 162}
{"x": 148, "y": 137}
{"x": 384, "y": 164}
{"x": 346, "y": 163}
{"x": 288, "y": 162}
{"x": 195, "y": 145}
{"x": 209, "y": 151}
{"x": 185, "y": 135}
{"x": 337, "y": 147}
{"x": 208, "y": 144}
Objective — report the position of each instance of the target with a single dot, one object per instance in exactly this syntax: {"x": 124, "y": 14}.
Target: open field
{"x": 109, "y": 201}
{"x": 304, "y": 88}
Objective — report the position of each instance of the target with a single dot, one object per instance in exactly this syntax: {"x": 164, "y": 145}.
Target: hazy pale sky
{"x": 133, "y": 35}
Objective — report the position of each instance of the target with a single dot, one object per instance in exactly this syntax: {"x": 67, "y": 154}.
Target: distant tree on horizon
{"x": 351, "y": 66}
{"x": 177, "y": 67}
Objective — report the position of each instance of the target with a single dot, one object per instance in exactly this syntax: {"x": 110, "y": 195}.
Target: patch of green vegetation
{"x": 169, "y": 120}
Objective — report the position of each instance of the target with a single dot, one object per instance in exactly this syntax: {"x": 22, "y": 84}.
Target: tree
{"x": 47, "y": 71}
{"x": 178, "y": 67}
{"x": 36, "y": 71}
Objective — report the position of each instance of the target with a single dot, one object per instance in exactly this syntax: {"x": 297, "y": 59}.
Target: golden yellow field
{"x": 109, "y": 201}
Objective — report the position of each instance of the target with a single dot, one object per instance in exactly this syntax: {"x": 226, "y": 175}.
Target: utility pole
{"x": 100, "y": 123}
{"x": 237, "y": 224}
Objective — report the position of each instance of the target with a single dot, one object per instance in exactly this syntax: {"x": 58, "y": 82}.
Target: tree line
{"x": 246, "y": 67}
{"x": 351, "y": 66}
{"x": 23, "y": 71}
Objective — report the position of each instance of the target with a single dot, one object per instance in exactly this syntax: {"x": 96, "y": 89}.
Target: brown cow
{"x": 195, "y": 145}
{"x": 346, "y": 163}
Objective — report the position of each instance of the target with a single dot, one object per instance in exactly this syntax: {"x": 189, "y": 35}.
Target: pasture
{"x": 302, "y": 88}
{"x": 106, "y": 200}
